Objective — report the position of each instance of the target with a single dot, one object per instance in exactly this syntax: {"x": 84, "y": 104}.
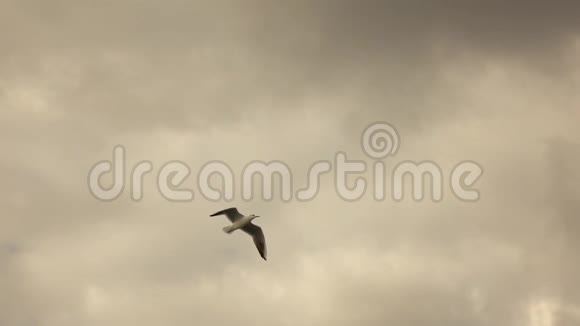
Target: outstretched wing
{"x": 258, "y": 236}
{"x": 231, "y": 213}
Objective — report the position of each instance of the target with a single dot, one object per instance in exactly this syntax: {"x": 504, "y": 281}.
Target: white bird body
{"x": 239, "y": 224}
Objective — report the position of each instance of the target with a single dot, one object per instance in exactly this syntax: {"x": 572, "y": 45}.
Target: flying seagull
{"x": 244, "y": 223}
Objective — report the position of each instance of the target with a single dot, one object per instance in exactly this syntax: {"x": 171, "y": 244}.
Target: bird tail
{"x": 228, "y": 229}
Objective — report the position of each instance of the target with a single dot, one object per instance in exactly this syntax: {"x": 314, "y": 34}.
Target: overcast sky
{"x": 488, "y": 81}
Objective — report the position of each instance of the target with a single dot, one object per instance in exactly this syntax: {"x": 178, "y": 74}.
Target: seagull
{"x": 244, "y": 223}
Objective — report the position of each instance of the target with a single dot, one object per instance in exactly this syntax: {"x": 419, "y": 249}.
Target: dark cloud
{"x": 138, "y": 64}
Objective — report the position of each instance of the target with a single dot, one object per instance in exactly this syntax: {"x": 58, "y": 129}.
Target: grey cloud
{"x": 139, "y": 64}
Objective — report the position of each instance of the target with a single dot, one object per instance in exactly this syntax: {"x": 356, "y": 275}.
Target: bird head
{"x": 254, "y": 216}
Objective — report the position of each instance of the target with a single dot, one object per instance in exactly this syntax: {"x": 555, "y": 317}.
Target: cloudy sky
{"x": 494, "y": 82}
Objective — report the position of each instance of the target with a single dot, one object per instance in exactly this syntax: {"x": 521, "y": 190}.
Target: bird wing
{"x": 231, "y": 213}
{"x": 258, "y": 236}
